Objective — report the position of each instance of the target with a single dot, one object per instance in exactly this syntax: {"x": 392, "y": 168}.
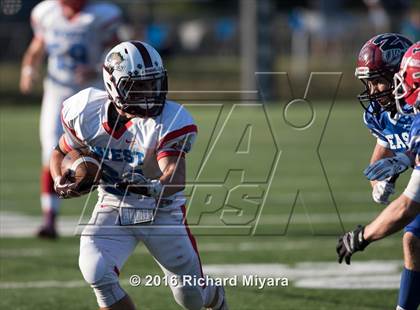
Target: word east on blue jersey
{"x": 414, "y": 140}
{"x": 391, "y": 132}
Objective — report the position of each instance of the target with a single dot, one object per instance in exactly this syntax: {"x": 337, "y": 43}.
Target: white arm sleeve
{"x": 412, "y": 190}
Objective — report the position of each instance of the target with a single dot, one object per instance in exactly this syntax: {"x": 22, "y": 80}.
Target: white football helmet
{"x": 135, "y": 78}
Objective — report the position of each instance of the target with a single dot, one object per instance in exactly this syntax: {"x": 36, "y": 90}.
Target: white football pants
{"x": 105, "y": 246}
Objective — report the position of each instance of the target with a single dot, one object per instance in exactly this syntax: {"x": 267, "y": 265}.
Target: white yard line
{"x": 14, "y": 224}
{"x": 327, "y": 275}
{"x": 253, "y": 245}
{"x": 42, "y": 284}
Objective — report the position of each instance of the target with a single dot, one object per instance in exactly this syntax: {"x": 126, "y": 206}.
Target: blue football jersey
{"x": 391, "y": 132}
{"x": 414, "y": 138}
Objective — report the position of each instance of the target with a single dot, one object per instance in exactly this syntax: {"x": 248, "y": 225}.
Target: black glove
{"x": 135, "y": 183}
{"x": 350, "y": 243}
{"x": 66, "y": 186}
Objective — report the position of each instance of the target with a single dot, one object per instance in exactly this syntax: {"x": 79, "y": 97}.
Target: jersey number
{"x": 75, "y": 55}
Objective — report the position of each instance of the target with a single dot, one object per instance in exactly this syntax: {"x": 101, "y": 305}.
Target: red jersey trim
{"x": 116, "y": 133}
{"x": 74, "y": 17}
{"x": 164, "y": 154}
{"x": 177, "y": 133}
{"x": 192, "y": 239}
{"x": 67, "y": 147}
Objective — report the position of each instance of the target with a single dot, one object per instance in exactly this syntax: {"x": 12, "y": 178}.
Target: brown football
{"x": 85, "y": 167}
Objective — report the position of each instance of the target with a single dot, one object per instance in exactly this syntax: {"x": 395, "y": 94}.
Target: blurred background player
{"x": 406, "y": 208}
{"x": 74, "y": 34}
{"x": 378, "y": 61}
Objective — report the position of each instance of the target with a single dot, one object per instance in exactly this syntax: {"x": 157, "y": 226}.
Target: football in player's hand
{"x": 85, "y": 169}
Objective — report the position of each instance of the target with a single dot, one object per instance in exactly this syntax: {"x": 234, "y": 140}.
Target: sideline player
{"x": 378, "y": 61}
{"x": 406, "y": 207}
{"x": 143, "y": 140}
{"x": 74, "y": 35}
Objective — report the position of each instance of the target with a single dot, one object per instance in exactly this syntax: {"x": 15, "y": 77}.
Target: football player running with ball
{"x": 143, "y": 140}
{"x": 75, "y": 35}
{"x": 406, "y": 207}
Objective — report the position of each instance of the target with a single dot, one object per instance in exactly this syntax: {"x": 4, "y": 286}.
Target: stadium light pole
{"x": 248, "y": 45}
{"x": 265, "y": 49}
{"x": 256, "y": 49}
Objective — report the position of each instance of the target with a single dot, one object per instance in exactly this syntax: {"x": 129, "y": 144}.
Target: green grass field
{"x": 280, "y": 194}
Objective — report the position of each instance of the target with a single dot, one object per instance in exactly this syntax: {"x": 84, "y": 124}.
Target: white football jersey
{"x": 135, "y": 147}
{"x": 78, "y": 41}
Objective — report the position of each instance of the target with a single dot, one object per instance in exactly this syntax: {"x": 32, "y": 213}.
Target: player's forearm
{"x": 172, "y": 183}
{"x": 173, "y": 175}
{"x": 31, "y": 60}
{"x": 30, "y": 63}
{"x": 392, "y": 219}
{"x": 55, "y": 163}
{"x": 173, "y": 178}
{"x": 380, "y": 152}
{"x": 33, "y": 55}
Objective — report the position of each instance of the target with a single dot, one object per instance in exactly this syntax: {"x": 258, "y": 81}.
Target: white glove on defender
{"x": 381, "y": 192}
